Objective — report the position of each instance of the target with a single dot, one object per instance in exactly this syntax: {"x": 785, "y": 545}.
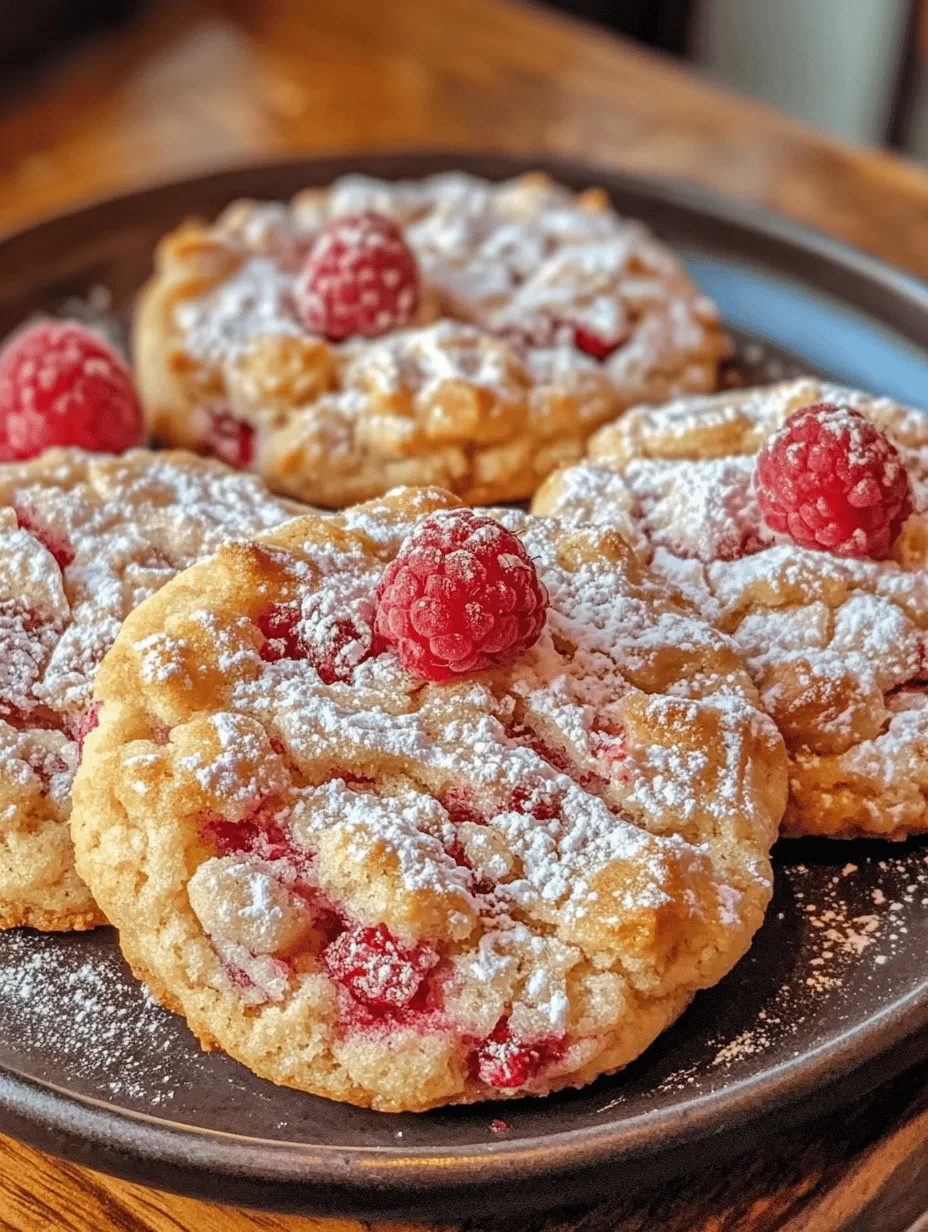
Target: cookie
{"x": 402, "y": 891}
{"x": 835, "y": 643}
{"x": 538, "y": 315}
{"x": 83, "y": 539}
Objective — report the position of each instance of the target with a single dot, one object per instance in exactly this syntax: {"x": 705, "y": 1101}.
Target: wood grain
{"x": 211, "y": 82}
{"x": 837, "y": 1176}
{"x": 205, "y": 83}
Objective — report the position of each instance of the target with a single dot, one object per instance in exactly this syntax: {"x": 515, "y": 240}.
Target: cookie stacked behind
{"x": 834, "y": 637}
{"x": 285, "y": 337}
{"x": 401, "y": 890}
{"x": 83, "y": 540}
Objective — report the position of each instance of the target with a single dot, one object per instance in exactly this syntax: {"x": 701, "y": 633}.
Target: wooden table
{"x": 205, "y": 83}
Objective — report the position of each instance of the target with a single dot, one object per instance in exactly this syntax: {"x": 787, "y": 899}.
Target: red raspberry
{"x": 831, "y": 480}
{"x": 280, "y": 624}
{"x": 259, "y": 834}
{"x": 230, "y": 439}
{"x": 504, "y": 1062}
{"x": 377, "y": 969}
{"x": 359, "y": 278}
{"x": 461, "y": 596}
{"x": 60, "y": 384}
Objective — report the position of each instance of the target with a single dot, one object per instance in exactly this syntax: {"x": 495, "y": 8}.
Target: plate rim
{"x": 376, "y": 1179}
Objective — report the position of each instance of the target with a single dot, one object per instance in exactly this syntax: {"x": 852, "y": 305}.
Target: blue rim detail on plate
{"x": 816, "y": 328}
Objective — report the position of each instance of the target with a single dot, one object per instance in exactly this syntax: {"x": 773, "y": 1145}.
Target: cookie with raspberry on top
{"x": 84, "y": 538}
{"x": 447, "y": 330}
{"x": 794, "y": 516}
{"x": 416, "y": 805}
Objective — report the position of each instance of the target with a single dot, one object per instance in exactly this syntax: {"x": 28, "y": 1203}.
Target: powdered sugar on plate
{"x": 87, "y": 1018}
{"x": 838, "y": 937}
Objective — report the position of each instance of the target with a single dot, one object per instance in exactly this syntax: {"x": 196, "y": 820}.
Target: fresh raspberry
{"x": 230, "y": 439}
{"x": 461, "y": 596}
{"x": 376, "y": 969}
{"x": 360, "y": 278}
{"x": 60, "y": 384}
{"x": 831, "y": 480}
{"x": 504, "y": 1062}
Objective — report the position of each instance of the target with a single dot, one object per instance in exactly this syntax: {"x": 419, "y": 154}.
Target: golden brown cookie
{"x": 541, "y": 316}
{"x": 403, "y": 893}
{"x": 84, "y": 539}
{"x": 836, "y": 645}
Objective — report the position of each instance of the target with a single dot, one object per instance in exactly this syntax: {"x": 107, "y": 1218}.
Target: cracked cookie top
{"x": 835, "y": 643}
{"x": 83, "y": 540}
{"x": 403, "y": 892}
{"x": 538, "y": 316}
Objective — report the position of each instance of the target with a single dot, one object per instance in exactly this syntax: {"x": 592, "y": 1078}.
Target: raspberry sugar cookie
{"x": 794, "y": 516}
{"x": 83, "y": 539}
{"x": 446, "y": 331}
{"x": 412, "y": 806}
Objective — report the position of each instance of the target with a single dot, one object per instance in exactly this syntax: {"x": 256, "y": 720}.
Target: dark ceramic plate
{"x": 829, "y": 1001}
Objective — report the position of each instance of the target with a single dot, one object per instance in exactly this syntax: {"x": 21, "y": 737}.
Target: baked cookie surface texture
{"x": 499, "y": 870}
{"x": 830, "y": 610}
{"x": 83, "y": 539}
{"x": 447, "y": 331}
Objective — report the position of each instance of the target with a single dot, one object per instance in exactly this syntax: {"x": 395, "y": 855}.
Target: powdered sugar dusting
{"x": 90, "y": 1019}
{"x": 84, "y": 540}
{"x": 541, "y": 315}
{"x": 506, "y": 826}
{"x": 835, "y": 644}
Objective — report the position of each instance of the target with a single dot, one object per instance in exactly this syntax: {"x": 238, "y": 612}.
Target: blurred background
{"x": 856, "y": 68}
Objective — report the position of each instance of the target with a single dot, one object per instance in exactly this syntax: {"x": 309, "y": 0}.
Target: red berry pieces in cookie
{"x": 830, "y": 479}
{"x": 280, "y": 625}
{"x": 504, "y": 1062}
{"x": 360, "y": 278}
{"x": 259, "y": 834}
{"x": 87, "y": 723}
{"x": 28, "y": 519}
{"x": 61, "y": 384}
{"x": 461, "y": 596}
{"x": 594, "y": 344}
{"x": 230, "y": 439}
{"x": 334, "y": 646}
{"x": 376, "y": 969}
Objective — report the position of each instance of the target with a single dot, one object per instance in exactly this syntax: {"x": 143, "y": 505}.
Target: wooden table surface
{"x": 207, "y": 83}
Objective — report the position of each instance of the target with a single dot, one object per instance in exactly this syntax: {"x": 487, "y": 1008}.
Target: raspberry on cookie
{"x": 462, "y": 595}
{"x": 62, "y": 385}
{"x": 83, "y": 539}
{"x": 405, "y": 880}
{"x": 359, "y": 280}
{"x": 447, "y": 330}
{"x": 794, "y": 516}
